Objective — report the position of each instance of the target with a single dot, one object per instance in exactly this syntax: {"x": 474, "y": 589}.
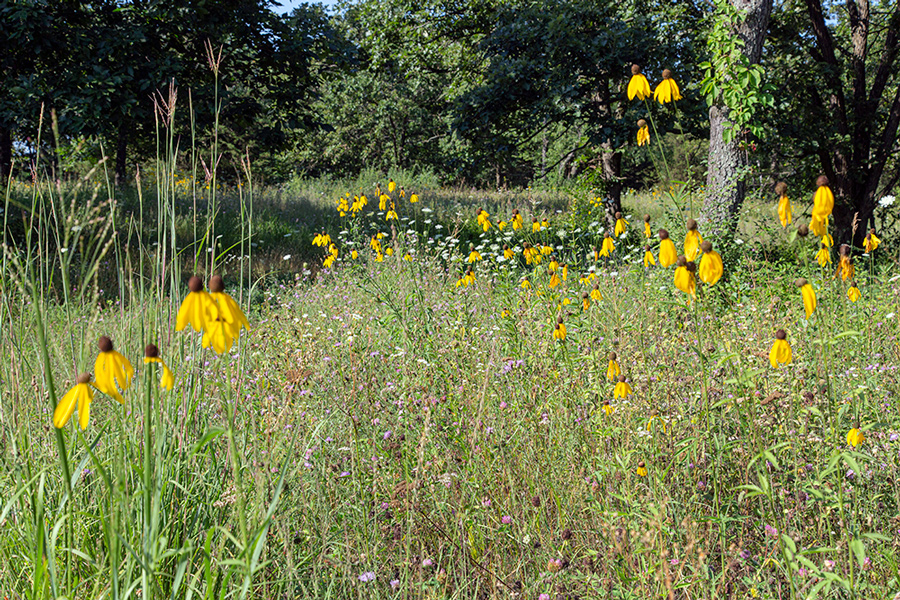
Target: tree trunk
{"x": 611, "y": 165}
{"x": 724, "y": 180}
{"x": 726, "y": 168}
{"x": 121, "y": 150}
{"x": 5, "y": 153}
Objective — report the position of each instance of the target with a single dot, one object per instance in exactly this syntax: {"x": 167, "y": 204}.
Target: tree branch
{"x": 883, "y": 72}
{"x": 826, "y": 47}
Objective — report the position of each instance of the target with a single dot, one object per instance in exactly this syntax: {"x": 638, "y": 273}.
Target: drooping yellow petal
{"x": 668, "y": 255}
{"x": 780, "y": 354}
{"x": 65, "y": 408}
{"x": 809, "y": 299}
{"x": 230, "y": 310}
{"x": 711, "y": 268}
{"x": 785, "y": 214}
{"x": 85, "y": 395}
{"x": 168, "y": 379}
{"x": 638, "y": 87}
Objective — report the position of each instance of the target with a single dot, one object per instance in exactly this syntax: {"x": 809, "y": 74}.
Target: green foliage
{"x": 729, "y": 77}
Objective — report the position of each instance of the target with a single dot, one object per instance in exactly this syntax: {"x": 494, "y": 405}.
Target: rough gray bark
{"x": 726, "y": 166}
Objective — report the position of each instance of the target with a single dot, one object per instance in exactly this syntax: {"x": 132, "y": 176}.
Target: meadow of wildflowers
{"x": 419, "y": 393}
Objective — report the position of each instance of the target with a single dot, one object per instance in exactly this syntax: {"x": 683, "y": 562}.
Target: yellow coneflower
{"x": 607, "y": 407}
{"x": 780, "y": 354}
{"x": 667, "y": 90}
{"x": 525, "y": 285}
{"x": 612, "y": 368}
{"x": 516, "y": 220}
{"x": 622, "y": 389}
{"x": 80, "y": 394}
{"x": 402, "y": 192}
{"x": 392, "y": 185}
{"x": 638, "y": 86}
{"x": 354, "y": 254}
{"x": 819, "y": 226}
{"x": 823, "y": 256}
{"x": 585, "y": 301}
{"x": 808, "y": 295}
{"x": 668, "y": 255}
{"x": 198, "y": 308}
{"x": 407, "y": 257}
{"x": 855, "y": 437}
{"x": 564, "y": 271}
{"x": 413, "y": 198}
{"x": 375, "y": 242}
{"x": 845, "y": 266}
{"x": 229, "y": 310}
{"x": 219, "y": 336}
{"x": 711, "y": 268}
{"x": 546, "y": 250}
{"x": 110, "y": 369}
{"x": 871, "y": 242}
{"x": 559, "y": 333}
{"x": 545, "y": 224}
{"x": 151, "y": 355}
{"x": 382, "y": 201}
{"x": 823, "y": 200}
{"x": 379, "y": 257}
{"x": 648, "y": 233}
{"x": 621, "y": 225}
{"x": 684, "y": 276}
{"x": 322, "y": 239}
{"x": 554, "y": 280}
{"x": 508, "y": 254}
{"x": 607, "y": 248}
{"x": 467, "y": 279}
{"x": 391, "y": 214}
{"x": 378, "y": 190}
{"x": 332, "y": 256}
{"x": 643, "y": 133}
{"x": 553, "y": 266}
{"x": 692, "y": 240}
{"x": 474, "y": 255}
{"x": 642, "y": 469}
{"x": 535, "y": 225}
{"x": 501, "y": 225}
{"x": 648, "y": 257}
{"x": 785, "y": 214}
{"x": 389, "y": 251}
{"x": 484, "y": 219}
{"x": 827, "y": 239}
{"x": 853, "y": 293}
{"x": 596, "y": 296}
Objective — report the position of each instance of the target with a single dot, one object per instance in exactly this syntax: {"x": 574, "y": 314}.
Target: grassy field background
{"x": 388, "y": 430}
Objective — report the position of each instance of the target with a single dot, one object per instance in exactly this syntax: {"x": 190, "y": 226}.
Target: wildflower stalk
{"x": 236, "y": 466}
{"x": 146, "y": 578}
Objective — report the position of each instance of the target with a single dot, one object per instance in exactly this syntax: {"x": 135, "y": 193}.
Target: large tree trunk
{"x": 726, "y": 167}
{"x": 5, "y": 153}
{"x": 724, "y": 179}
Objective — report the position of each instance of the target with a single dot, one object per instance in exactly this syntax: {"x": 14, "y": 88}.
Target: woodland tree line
{"x": 481, "y": 92}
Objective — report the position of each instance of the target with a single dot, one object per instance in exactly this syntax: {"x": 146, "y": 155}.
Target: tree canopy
{"x": 477, "y": 91}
